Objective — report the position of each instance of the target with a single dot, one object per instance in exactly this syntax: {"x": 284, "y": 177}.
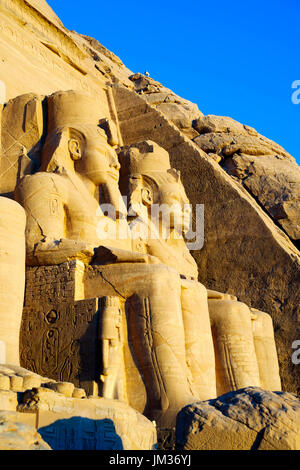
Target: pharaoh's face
{"x": 175, "y": 205}
{"x": 99, "y": 162}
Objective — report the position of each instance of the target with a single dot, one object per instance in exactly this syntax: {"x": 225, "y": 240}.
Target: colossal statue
{"x": 245, "y": 352}
{"x": 63, "y": 220}
{"x": 188, "y": 345}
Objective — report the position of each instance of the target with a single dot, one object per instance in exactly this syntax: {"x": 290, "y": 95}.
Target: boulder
{"x": 264, "y": 168}
{"x": 247, "y": 419}
{"x": 93, "y": 423}
{"x": 275, "y": 183}
{"x": 219, "y": 124}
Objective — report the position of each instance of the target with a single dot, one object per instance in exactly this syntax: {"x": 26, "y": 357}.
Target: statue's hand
{"x": 76, "y": 249}
{"x": 51, "y": 252}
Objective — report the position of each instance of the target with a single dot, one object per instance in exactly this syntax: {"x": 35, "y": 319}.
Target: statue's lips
{"x": 114, "y": 175}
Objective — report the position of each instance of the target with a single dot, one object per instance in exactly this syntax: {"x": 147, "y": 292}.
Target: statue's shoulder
{"x": 41, "y": 180}
{"x": 40, "y": 183}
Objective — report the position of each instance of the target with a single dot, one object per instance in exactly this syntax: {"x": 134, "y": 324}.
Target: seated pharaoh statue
{"x": 64, "y": 220}
{"x": 244, "y": 350}
{"x": 177, "y": 334}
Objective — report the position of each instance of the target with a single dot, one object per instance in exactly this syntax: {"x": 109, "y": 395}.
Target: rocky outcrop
{"x": 224, "y": 136}
{"x": 179, "y": 111}
{"x": 249, "y": 419}
{"x": 32, "y": 406}
{"x": 245, "y": 252}
{"x": 265, "y": 169}
{"x": 93, "y": 423}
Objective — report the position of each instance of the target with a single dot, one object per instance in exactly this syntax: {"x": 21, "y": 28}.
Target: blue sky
{"x": 232, "y": 58}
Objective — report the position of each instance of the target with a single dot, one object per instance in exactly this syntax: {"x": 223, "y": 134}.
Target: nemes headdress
{"x": 145, "y": 164}
{"x": 146, "y": 158}
{"x": 74, "y": 110}
{"x": 70, "y": 109}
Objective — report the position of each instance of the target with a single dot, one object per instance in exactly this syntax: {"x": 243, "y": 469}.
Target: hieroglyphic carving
{"x": 111, "y": 336}
{"x": 65, "y": 331}
{"x": 26, "y": 13}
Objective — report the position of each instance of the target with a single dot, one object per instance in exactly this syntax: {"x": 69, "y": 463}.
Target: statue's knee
{"x": 263, "y": 317}
{"x": 228, "y": 312}
{"x": 201, "y": 289}
{"x": 162, "y": 274}
{"x": 263, "y": 323}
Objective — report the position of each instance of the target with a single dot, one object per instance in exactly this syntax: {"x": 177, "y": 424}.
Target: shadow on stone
{"x": 79, "y": 433}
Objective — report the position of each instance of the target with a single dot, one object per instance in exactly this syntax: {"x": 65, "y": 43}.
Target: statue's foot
{"x": 167, "y": 419}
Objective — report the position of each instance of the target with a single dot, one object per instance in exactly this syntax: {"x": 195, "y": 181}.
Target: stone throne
{"x": 65, "y": 330}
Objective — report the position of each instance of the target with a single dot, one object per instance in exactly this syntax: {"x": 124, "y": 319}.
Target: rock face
{"x": 19, "y": 436}
{"x": 264, "y": 168}
{"x": 181, "y": 112}
{"x": 249, "y": 419}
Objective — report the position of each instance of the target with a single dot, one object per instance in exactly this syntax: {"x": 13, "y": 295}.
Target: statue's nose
{"x": 114, "y": 162}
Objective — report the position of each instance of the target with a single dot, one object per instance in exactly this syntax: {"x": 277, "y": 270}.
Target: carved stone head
{"x": 75, "y": 141}
{"x": 151, "y": 181}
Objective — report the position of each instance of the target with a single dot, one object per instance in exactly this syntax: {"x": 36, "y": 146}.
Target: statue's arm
{"x": 109, "y": 255}
{"x": 46, "y": 241}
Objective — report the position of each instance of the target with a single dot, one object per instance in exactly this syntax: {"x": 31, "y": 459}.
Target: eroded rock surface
{"x": 248, "y": 419}
{"x": 265, "y": 169}
{"x": 275, "y": 183}
{"x": 178, "y": 110}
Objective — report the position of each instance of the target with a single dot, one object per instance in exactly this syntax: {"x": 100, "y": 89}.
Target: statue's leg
{"x": 265, "y": 348}
{"x": 236, "y": 363}
{"x": 199, "y": 346}
{"x": 156, "y": 330}
{"x": 109, "y": 389}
